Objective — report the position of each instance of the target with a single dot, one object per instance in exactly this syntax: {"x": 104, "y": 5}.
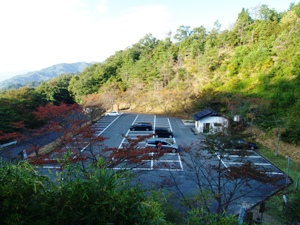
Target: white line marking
{"x": 108, "y": 126}
{"x": 125, "y": 168}
{"x": 260, "y": 164}
{"x": 121, "y": 145}
{"x": 221, "y": 160}
{"x": 152, "y": 160}
{"x": 275, "y": 173}
{"x": 49, "y": 167}
{"x": 160, "y": 160}
{"x": 180, "y": 162}
{"x": 253, "y": 156}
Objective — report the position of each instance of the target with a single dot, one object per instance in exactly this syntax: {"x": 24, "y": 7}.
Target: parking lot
{"x": 169, "y": 161}
{"x": 116, "y": 129}
{"x": 176, "y": 165}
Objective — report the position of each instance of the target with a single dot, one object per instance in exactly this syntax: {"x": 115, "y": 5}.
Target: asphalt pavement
{"x": 155, "y": 172}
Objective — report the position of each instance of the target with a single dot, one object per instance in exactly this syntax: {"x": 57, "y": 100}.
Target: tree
{"x": 109, "y": 95}
{"x": 268, "y": 14}
{"x": 56, "y": 90}
{"x": 76, "y": 142}
{"x": 198, "y": 216}
{"x": 131, "y": 155}
{"x": 242, "y": 26}
{"x": 8, "y": 116}
{"x": 74, "y": 196}
{"x": 182, "y": 32}
{"x": 219, "y": 186}
{"x": 93, "y": 106}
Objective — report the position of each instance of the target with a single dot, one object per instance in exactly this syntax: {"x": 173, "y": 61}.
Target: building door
{"x": 206, "y": 127}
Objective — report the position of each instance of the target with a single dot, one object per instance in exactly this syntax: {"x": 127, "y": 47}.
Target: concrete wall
{"x": 211, "y": 124}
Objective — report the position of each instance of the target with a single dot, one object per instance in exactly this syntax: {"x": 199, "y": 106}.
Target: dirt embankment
{"x": 284, "y": 149}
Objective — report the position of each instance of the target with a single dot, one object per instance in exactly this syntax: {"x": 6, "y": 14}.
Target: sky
{"x": 36, "y": 34}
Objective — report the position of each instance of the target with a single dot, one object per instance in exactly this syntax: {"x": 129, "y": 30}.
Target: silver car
{"x": 166, "y": 144}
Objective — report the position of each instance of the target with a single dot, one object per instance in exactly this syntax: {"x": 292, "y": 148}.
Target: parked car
{"x": 141, "y": 126}
{"x": 113, "y": 113}
{"x": 163, "y": 132}
{"x": 162, "y": 144}
{"x": 242, "y": 144}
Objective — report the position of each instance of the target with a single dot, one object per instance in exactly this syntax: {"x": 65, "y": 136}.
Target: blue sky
{"x": 36, "y": 34}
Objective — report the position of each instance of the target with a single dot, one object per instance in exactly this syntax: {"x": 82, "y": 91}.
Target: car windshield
{"x": 168, "y": 141}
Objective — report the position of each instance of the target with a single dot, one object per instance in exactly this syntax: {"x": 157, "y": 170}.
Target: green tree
{"x": 93, "y": 196}
{"x": 56, "y": 90}
{"x": 181, "y": 33}
{"x": 219, "y": 186}
{"x": 242, "y": 27}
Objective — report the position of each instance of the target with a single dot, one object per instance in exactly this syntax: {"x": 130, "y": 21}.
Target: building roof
{"x": 204, "y": 113}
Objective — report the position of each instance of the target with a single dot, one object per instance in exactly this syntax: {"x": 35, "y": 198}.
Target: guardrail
{"x": 8, "y": 144}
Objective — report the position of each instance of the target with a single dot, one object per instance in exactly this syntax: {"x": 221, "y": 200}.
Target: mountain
{"x": 36, "y": 77}
{"x": 8, "y": 75}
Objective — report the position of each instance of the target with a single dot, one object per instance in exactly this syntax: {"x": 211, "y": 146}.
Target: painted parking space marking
{"x": 154, "y": 164}
{"x": 169, "y": 161}
{"x": 101, "y": 127}
{"x": 259, "y": 164}
{"x": 238, "y": 156}
{"x": 253, "y": 158}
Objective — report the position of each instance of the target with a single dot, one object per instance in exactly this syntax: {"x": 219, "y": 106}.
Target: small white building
{"x": 209, "y": 121}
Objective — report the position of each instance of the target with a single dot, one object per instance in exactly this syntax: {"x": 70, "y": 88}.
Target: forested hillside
{"x": 251, "y": 69}
{"x": 258, "y": 60}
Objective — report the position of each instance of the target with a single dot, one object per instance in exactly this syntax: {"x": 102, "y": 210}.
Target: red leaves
{"x": 133, "y": 153}
{"x": 51, "y": 111}
{"x": 248, "y": 171}
{"x": 9, "y": 136}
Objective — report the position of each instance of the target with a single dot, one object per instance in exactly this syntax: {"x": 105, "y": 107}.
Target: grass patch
{"x": 274, "y": 205}
{"x": 281, "y": 162}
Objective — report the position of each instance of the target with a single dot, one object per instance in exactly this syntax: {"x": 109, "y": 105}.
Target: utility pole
{"x": 297, "y": 183}
{"x": 288, "y": 171}
{"x": 285, "y": 199}
{"x": 279, "y": 125}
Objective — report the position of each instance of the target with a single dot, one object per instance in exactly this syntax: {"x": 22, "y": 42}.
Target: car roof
{"x": 157, "y": 139}
{"x": 162, "y": 128}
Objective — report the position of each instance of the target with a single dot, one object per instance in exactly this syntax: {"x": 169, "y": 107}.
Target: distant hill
{"x": 36, "y": 77}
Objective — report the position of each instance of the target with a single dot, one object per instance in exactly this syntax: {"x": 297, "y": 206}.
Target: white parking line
{"x": 96, "y": 135}
{"x": 275, "y": 173}
{"x": 180, "y": 162}
{"x": 259, "y": 164}
{"x": 151, "y": 161}
{"x": 238, "y": 156}
{"x": 218, "y": 156}
{"x": 49, "y": 167}
{"x": 146, "y": 169}
{"x": 108, "y": 126}
{"x": 159, "y": 160}
{"x": 151, "y": 167}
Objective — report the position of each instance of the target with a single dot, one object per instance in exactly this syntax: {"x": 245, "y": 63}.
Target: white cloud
{"x": 37, "y": 34}
{"x": 101, "y": 7}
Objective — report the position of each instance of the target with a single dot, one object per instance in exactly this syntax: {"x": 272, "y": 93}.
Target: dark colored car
{"x": 163, "y": 132}
{"x": 241, "y": 144}
{"x": 141, "y": 126}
